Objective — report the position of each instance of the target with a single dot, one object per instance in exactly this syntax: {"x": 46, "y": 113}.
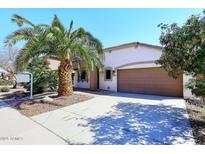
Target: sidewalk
{"x": 18, "y": 129}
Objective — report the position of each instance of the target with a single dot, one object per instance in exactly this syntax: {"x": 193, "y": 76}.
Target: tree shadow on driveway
{"x": 134, "y": 123}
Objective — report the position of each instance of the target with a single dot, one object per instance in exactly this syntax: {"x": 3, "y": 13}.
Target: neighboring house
{"x": 130, "y": 68}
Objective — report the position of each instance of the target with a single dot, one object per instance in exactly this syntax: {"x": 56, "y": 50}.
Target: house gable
{"x": 131, "y": 55}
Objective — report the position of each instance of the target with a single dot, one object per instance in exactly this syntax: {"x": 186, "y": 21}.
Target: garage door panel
{"x": 149, "y": 81}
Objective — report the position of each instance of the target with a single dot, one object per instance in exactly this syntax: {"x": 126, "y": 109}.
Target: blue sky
{"x": 111, "y": 26}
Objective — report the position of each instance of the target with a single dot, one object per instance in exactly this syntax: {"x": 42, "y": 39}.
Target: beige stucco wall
{"x": 187, "y": 92}
{"x": 53, "y": 64}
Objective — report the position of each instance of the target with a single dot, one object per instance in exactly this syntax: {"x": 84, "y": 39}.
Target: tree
{"x": 44, "y": 79}
{"x": 66, "y": 44}
{"x": 184, "y": 51}
{"x": 7, "y": 62}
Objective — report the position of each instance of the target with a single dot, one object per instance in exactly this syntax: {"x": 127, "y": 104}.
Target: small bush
{"x": 6, "y": 82}
{"x": 197, "y": 87}
{"x": 4, "y": 89}
{"x": 44, "y": 79}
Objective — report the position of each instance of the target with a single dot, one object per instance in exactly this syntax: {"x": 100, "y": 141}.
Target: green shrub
{"x": 4, "y": 82}
{"x": 44, "y": 79}
{"x": 4, "y": 89}
{"x": 197, "y": 87}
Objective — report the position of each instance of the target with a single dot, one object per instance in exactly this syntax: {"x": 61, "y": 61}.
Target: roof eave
{"x": 132, "y": 44}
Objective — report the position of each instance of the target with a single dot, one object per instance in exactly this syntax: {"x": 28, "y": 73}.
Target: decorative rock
{"x": 47, "y": 100}
{"x": 19, "y": 94}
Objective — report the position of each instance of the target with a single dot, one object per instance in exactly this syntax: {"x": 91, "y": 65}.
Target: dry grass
{"x": 196, "y": 111}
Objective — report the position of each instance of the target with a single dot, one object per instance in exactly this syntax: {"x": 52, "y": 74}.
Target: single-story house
{"x": 130, "y": 68}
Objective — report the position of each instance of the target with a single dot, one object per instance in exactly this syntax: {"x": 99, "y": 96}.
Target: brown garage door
{"x": 149, "y": 81}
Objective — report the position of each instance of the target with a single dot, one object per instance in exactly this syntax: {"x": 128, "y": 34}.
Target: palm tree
{"x": 68, "y": 45}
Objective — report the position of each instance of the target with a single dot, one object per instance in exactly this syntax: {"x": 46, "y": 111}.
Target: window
{"x": 82, "y": 76}
{"x": 108, "y": 74}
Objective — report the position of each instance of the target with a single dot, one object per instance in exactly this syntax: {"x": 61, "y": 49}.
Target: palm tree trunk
{"x": 65, "y": 87}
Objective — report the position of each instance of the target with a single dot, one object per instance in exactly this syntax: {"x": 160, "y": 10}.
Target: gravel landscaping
{"x": 13, "y": 93}
{"x": 36, "y": 106}
{"x": 196, "y": 111}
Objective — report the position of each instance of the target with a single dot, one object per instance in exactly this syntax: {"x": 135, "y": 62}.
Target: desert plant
{"x": 4, "y": 89}
{"x": 44, "y": 79}
{"x": 66, "y": 44}
{"x": 197, "y": 87}
{"x": 4, "y": 82}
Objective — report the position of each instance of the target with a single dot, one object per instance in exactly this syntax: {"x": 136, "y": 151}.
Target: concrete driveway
{"x": 18, "y": 129}
{"x": 121, "y": 118}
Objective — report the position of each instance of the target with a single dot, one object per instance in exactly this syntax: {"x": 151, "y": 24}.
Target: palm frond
{"x": 20, "y": 20}
{"x": 78, "y": 45}
{"x": 77, "y": 34}
{"x": 57, "y": 23}
{"x": 33, "y": 48}
{"x": 23, "y": 34}
{"x": 89, "y": 58}
{"x": 22, "y": 59}
{"x": 70, "y": 29}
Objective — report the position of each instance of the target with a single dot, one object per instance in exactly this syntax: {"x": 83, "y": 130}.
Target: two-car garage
{"x": 149, "y": 81}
